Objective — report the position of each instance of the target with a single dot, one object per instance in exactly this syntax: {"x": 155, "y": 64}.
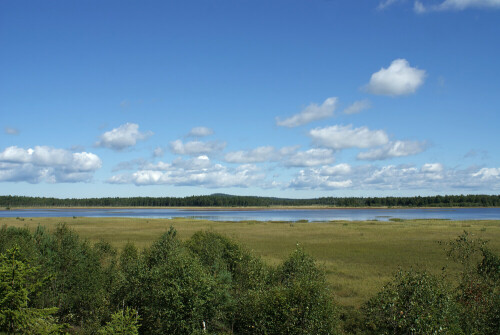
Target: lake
{"x": 268, "y": 214}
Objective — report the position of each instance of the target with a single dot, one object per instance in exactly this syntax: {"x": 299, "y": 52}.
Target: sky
{"x": 292, "y": 98}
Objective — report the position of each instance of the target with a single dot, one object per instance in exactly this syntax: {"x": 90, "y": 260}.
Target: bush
{"x": 170, "y": 289}
{"x": 234, "y": 270}
{"x": 79, "y": 285}
{"x": 18, "y": 281}
{"x": 296, "y": 301}
{"x": 413, "y": 303}
{"x": 479, "y": 290}
{"x": 125, "y": 322}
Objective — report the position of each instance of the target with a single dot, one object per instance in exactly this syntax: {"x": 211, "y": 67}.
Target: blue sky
{"x": 273, "y": 98}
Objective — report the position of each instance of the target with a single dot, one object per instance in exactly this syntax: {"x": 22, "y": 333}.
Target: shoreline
{"x": 235, "y": 209}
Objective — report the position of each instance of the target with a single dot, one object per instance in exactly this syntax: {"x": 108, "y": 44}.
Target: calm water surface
{"x": 269, "y": 215}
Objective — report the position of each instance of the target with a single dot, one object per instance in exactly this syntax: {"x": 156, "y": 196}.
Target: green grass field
{"x": 359, "y": 257}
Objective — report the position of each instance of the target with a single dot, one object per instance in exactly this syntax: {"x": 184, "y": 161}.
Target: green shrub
{"x": 124, "y": 322}
{"x": 413, "y": 303}
{"x": 478, "y": 292}
{"x": 296, "y": 301}
{"x": 170, "y": 289}
{"x": 79, "y": 285}
{"x": 18, "y": 281}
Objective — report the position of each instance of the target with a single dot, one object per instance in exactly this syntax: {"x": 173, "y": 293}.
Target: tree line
{"x": 223, "y": 200}
{"x": 58, "y": 283}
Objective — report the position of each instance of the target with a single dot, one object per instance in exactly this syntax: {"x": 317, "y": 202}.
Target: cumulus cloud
{"x": 313, "y": 179}
{"x": 200, "y": 132}
{"x": 488, "y": 174}
{"x": 11, "y": 131}
{"x": 201, "y": 171}
{"x": 339, "y": 169}
{"x": 288, "y": 156}
{"x": 357, "y": 107}
{"x": 311, "y": 157}
{"x": 456, "y": 5}
{"x": 310, "y": 113}
{"x": 197, "y": 171}
{"x": 429, "y": 176}
{"x": 432, "y": 168}
{"x": 257, "y": 155}
{"x": 393, "y": 149}
{"x": 343, "y": 137}
{"x": 123, "y": 137}
{"x": 398, "y": 79}
{"x": 195, "y": 163}
{"x": 43, "y": 163}
{"x": 326, "y": 177}
{"x": 195, "y": 148}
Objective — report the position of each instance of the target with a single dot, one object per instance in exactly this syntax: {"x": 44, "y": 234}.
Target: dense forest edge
{"x": 55, "y": 282}
{"x": 224, "y": 200}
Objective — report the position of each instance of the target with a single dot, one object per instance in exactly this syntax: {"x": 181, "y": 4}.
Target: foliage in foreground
{"x": 55, "y": 282}
{"x": 413, "y": 303}
{"x": 19, "y": 280}
{"x": 208, "y": 284}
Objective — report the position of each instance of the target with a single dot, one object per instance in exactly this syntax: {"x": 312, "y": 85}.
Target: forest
{"x": 55, "y": 282}
{"x": 224, "y": 200}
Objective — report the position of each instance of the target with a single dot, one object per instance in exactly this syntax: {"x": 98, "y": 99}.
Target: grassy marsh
{"x": 358, "y": 256}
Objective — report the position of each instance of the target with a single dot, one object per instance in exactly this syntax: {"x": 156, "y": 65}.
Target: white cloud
{"x": 384, "y": 4}
{"x": 311, "y": 157}
{"x": 343, "y": 137}
{"x": 430, "y": 176}
{"x": 456, "y": 5}
{"x": 200, "y": 171}
{"x": 312, "y": 179}
{"x": 158, "y": 152}
{"x": 287, "y": 151}
{"x": 288, "y": 156}
{"x": 391, "y": 177}
{"x": 48, "y": 164}
{"x": 393, "y": 149}
{"x": 261, "y": 155}
{"x": 339, "y": 184}
{"x": 432, "y": 168}
{"x": 398, "y": 79}
{"x": 418, "y": 7}
{"x": 310, "y": 113}
{"x": 200, "y": 132}
{"x": 195, "y": 148}
{"x": 195, "y": 163}
{"x": 357, "y": 107}
{"x": 194, "y": 172}
{"x": 85, "y": 161}
{"x": 257, "y": 155}
{"x": 339, "y": 169}
{"x": 16, "y": 155}
{"x": 11, "y": 131}
{"x": 122, "y": 137}
{"x": 487, "y": 173}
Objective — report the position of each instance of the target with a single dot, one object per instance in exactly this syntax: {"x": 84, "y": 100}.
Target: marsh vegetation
{"x": 174, "y": 276}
